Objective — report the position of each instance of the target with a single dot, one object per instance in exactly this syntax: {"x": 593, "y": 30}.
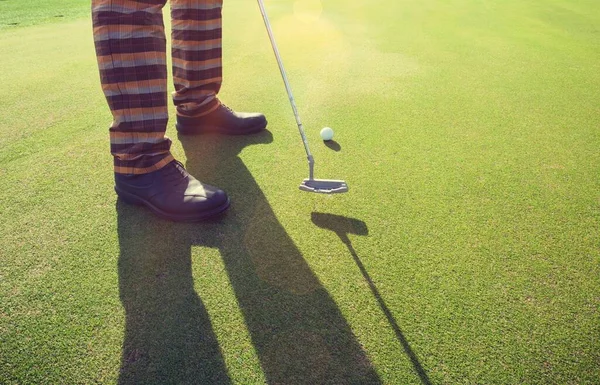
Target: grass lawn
{"x": 466, "y": 252}
{"x": 18, "y": 13}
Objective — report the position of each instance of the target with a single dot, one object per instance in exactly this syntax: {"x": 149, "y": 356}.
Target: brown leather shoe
{"x": 223, "y": 120}
{"x": 172, "y": 193}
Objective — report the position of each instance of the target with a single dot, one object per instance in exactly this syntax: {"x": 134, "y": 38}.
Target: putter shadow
{"x": 297, "y": 330}
{"x": 343, "y": 226}
{"x": 332, "y": 144}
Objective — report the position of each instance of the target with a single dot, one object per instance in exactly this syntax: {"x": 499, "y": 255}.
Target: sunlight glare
{"x": 308, "y": 11}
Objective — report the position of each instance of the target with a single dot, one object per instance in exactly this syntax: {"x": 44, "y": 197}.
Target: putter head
{"x": 324, "y": 186}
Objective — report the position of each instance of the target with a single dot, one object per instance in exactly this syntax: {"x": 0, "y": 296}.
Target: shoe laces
{"x": 227, "y": 107}
{"x": 176, "y": 174}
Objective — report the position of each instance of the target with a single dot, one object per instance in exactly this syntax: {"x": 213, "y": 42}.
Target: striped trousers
{"x": 130, "y": 46}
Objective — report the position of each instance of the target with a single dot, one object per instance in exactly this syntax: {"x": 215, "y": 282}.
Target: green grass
{"x": 466, "y": 252}
{"x": 18, "y": 13}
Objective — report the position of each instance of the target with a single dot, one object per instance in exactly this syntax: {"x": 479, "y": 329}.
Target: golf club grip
{"x": 285, "y": 80}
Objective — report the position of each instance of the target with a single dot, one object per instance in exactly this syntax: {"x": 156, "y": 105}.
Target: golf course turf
{"x": 467, "y": 250}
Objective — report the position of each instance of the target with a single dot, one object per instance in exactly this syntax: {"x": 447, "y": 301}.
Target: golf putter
{"x": 323, "y": 186}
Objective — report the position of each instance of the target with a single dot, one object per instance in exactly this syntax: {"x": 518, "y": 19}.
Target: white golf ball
{"x": 327, "y": 133}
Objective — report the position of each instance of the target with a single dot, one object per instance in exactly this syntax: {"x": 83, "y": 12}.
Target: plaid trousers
{"x": 130, "y": 46}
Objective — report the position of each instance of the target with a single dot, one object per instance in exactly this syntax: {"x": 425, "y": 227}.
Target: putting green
{"x": 465, "y": 252}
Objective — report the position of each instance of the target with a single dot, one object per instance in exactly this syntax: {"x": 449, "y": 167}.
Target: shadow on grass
{"x": 168, "y": 333}
{"x": 332, "y": 144}
{"x": 297, "y": 331}
{"x": 343, "y": 226}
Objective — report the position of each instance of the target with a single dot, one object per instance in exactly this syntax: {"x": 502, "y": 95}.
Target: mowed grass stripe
{"x": 15, "y": 14}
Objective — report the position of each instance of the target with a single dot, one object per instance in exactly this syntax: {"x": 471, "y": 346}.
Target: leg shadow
{"x": 168, "y": 333}
{"x": 297, "y": 330}
{"x": 343, "y": 226}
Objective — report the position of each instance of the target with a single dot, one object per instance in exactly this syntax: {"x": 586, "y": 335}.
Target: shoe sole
{"x": 135, "y": 200}
{"x": 189, "y": 130}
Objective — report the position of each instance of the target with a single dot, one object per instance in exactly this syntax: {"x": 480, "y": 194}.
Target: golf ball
{"x": 327, "y": 133}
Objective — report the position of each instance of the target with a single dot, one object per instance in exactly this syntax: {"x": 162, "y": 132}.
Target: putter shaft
{"x": 311, "y": 184}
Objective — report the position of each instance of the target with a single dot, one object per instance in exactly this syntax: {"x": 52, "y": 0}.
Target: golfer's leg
{"x": 196, "y": 51}
{"x": 197, "y": 72}
{"x": 131, "y": 51}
